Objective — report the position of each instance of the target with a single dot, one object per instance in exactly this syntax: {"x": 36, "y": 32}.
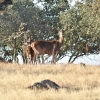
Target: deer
{"x": 5, "y": 3}
{"x": 29, "y": 54}
{"x": 51, "y": 47}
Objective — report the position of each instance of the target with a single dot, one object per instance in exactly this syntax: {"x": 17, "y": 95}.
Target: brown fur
{"x": 47, "y": 47}
{"x": 29, "y": 54}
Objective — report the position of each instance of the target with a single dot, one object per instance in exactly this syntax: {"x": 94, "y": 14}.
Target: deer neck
{"x": 60, "y": 39}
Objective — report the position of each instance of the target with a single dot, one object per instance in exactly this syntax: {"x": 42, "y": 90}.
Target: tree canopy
{"x": 39, "y": 21}
{"x": 83, "y": 35}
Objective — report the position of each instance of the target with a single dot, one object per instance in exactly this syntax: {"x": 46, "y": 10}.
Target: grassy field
{"x": 82, "y": 83}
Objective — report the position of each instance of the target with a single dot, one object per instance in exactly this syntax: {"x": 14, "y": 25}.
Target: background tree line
{"x": 26, "y": 19}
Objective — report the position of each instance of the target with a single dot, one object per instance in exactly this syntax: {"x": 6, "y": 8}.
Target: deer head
{"x": 61, "y": 31}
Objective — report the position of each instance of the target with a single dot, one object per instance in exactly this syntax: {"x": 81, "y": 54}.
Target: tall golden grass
{"x": 78, "y": 82}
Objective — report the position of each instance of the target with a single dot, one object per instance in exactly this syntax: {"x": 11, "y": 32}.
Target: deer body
{"x": 47, "y": 47}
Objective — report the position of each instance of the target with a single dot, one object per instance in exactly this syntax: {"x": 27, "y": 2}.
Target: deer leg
{"x": 42, "y": 59}
{"x": 25, "y": 59}
{"x": 31, "y": 59}
{"x": 53, "y": 53}
{"x": 54, "y": 59}
{"x": 39, "y": 59}
{"x": 35, "y": 55}
{"x": 35, "y": 59}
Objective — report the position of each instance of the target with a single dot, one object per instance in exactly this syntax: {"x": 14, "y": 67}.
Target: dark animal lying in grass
{"x": 44, "y": 85}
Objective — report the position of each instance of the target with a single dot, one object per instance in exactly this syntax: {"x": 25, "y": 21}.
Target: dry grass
{"x": 79, "y": 82}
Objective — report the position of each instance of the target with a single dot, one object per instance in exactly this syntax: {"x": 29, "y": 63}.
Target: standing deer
{"x": 29, "y": 54}
{"x": 5, "y": 3}
{"x": 41, "y": 47}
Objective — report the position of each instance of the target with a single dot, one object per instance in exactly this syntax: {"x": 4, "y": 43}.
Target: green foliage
{"x": 25, "y": 15}
{"x": 82, "y": 22}
{"x": 83, "y": 34}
